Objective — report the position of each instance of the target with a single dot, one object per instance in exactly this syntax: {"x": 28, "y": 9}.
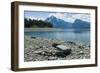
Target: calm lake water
{"x": 79, "y": 35}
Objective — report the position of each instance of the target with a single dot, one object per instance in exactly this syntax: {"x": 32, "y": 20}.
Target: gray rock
{"x": 41, "y": 49}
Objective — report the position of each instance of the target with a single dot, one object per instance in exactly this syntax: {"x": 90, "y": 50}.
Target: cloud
{"x": 35, "y": 18}
{"x": 84, "y": 17}
{"x": 57, "y": 15}
{"x": 71, "y": 17}
{"x": 30, "y": 17}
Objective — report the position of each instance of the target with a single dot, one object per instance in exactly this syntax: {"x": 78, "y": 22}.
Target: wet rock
{"x": 63, "y": 53}
{"x": 33, "y": 37}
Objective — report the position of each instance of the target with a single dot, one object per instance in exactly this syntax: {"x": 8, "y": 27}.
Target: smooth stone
{"x": 62, "y": 47}
{"x": 81, "y": 52}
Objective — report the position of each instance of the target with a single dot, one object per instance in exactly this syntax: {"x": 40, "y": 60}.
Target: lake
{"x": 73, "y": 35}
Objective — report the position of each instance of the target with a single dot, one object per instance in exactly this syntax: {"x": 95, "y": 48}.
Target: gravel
{"x": 41, "y": 49}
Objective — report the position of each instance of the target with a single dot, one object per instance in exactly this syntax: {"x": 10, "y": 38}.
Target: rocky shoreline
{"x": 42, "y": 49}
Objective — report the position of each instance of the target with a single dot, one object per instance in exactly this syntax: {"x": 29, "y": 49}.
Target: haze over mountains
{"x": 59, "y": 23}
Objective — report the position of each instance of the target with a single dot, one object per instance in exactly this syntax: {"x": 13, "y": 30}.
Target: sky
{"x": 66, "y": 16}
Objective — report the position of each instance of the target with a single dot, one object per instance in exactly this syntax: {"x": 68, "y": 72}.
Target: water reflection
{"x": 65, "y": 35}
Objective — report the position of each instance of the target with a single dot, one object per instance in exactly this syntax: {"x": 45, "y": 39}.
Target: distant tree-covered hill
{"x": 36, "y": 23}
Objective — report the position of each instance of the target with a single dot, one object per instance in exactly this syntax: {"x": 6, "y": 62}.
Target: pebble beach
{"x": 42, "y": 49}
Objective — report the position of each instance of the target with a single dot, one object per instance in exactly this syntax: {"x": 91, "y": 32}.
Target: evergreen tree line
{"x": 36, "y": 23}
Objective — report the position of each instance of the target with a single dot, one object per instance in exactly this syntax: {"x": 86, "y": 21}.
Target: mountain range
{"x": 59, "y": 23}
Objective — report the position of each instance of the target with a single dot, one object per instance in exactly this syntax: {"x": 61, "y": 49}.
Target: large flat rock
{"x": 62, "y": 47}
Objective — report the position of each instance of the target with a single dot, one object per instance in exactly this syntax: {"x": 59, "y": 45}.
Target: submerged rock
{"x": 33, "y": 37}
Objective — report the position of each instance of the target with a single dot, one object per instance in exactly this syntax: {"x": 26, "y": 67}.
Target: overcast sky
{"x": 66, "y": 16}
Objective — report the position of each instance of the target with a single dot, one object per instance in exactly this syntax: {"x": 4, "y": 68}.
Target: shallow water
{"x": 74, "y": 35}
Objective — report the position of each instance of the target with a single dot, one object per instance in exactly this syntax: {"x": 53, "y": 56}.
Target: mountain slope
{"x": 58, "y": 23}
{"x": 81, "y": 24}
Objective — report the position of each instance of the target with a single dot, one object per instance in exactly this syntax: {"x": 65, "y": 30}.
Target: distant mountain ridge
{"x": 81, "y": 24}
{"x": 59, "y": 23}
